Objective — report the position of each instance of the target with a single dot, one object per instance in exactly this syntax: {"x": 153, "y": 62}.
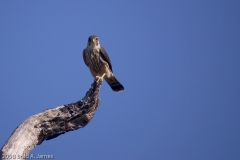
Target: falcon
{"x": 98, "y": 61}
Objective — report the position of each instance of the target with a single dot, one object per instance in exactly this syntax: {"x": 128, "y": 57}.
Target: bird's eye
{"x": 97, "y": 39}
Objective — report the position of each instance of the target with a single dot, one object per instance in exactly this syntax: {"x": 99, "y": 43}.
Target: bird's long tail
{"x": 114, "y": 84}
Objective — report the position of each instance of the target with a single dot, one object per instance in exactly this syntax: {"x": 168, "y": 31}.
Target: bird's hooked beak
{"x": 96, "y": 41}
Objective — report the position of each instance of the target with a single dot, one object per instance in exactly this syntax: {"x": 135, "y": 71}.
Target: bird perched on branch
{"x": 98, "y": 61}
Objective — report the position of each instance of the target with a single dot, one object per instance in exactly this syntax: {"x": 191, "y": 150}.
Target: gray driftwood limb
{"x": 51, "y": 123}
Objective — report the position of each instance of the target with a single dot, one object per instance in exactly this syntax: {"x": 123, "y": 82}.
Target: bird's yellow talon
{"x": 98, "y": 77}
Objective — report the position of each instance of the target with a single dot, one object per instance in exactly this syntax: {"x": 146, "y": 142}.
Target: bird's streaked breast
{"x": 93, "y": 59}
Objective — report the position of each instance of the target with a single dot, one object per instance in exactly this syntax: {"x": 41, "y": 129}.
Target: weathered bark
{"x": 50, "y": 124}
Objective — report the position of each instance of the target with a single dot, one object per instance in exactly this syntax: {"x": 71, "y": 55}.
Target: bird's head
{"x": 93, "y": 41}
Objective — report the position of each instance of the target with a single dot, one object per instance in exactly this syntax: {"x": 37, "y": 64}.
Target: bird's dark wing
{"x": 105, "y": 57}
{"x": 84, "y": 57}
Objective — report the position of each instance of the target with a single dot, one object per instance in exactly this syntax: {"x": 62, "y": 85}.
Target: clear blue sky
{"x": 179, "y": 62}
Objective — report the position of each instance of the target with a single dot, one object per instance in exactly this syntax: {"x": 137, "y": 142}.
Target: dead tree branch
{"x": 50, "y": 124}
